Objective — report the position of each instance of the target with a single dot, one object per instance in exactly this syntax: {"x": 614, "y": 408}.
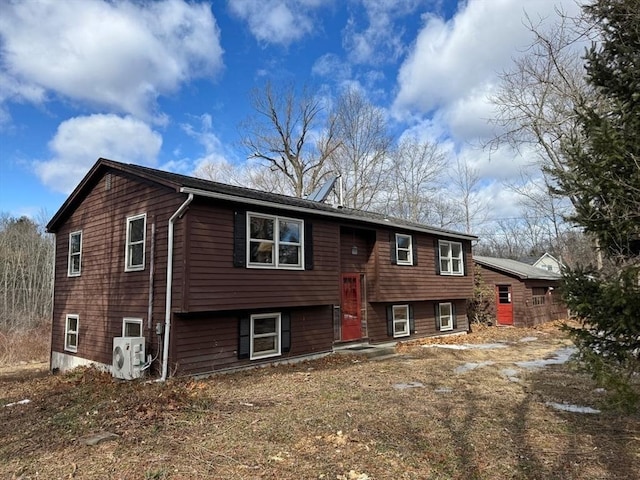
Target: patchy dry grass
{"x": 21, "y": 347}
{"x": 341, "y": 417}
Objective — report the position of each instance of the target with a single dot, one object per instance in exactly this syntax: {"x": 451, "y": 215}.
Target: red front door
{"x": 350, "y": 327}
{"x": 504, "y": 307}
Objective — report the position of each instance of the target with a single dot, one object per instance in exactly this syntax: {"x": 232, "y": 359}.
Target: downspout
{"x": 167, "y": 310}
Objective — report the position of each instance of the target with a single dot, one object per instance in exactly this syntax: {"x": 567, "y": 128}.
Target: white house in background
{"x": 548, "y": 262}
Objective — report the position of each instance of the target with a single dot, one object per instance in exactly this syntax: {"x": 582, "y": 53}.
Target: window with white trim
{"x": 75, "y": 254}
{"x": 404, "y": 249}
{"x": 134, "y": 251}
{"x": 445, "y": 316}
{"x": 451, "y": 258}
{"x": 265, "y": 335}
{"x": 400, "y": 321}
{"x": 72, "y": 325}
{"x": 131, "y": 327}
{"x": 274, "y": 242}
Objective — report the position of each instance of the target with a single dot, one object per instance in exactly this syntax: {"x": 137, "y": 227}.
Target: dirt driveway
{"x": 468, "y": 407}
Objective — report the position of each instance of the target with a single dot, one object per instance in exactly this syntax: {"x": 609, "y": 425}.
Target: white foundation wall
{"x": 64, "y": 362}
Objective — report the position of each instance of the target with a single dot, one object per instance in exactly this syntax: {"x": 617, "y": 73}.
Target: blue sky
{"x": 166, "y": 83}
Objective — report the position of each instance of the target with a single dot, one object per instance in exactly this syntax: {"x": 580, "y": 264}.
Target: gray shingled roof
{"x": 177, "y": 181}
{"x": 519, "y": 269}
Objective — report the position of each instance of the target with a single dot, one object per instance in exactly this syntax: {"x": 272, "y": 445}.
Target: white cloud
{"x": 450, "y": 59}
{"x": 381, "y": 40}
{"x": 79, "y": 142}
{"x": 277, "y": 21}
{"x": 119, "y": 55}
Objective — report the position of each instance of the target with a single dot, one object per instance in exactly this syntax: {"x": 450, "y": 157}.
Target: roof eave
{"x": 338, "y": 213}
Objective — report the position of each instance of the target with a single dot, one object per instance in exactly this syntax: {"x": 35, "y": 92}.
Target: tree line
{"x": 26, "y": 273}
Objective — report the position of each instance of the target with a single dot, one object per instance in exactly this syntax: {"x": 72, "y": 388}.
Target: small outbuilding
{"x": 525, "y": 295}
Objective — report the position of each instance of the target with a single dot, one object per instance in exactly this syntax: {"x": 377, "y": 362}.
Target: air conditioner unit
{"x": 128, "y": 357}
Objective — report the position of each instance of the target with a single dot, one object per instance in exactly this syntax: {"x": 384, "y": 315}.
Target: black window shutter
{"x": 465, "y": 270}
{"x": 239, "y": 238}
{"x": 285, "y": 330}
{"x": 437, "y": 257}
{"x": 308, "y": 246}
{"x": 392, "y": 247}
{"x": 414, "y": 249}
{"x": 390, "y": 321}
{"x": 412, "y": 321}
{"x": 453, "y": 314}
{"x": 437, "y": 316}
{"x": 244, "y": 336}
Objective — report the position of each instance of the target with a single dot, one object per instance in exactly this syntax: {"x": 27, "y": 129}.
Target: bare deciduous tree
{"x": 289, "y": 135}
{"x": 416, "y": 177}
{"x": 466, "y": 181}
{"x": 360, "y": 156}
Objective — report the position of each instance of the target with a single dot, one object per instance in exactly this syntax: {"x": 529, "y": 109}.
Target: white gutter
{"x": 327, "y": 213}
{"x": 167, "y": 309}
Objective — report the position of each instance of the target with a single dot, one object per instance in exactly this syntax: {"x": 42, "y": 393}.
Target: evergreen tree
{"x": 602, "y": 173}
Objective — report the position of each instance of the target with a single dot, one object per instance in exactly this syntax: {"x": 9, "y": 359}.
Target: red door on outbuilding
{"x": 350, "y": 307}
{"x": 504, "y": 307}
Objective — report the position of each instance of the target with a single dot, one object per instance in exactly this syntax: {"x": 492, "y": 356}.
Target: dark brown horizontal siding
{"x": 206, "y": 344}
{"x": 421, "y": 281}
{"x": 553, "y": 308}
{"x": 424, "y": 315}
{"x": 104, "y": 293}
{"x": 214, "y": 283}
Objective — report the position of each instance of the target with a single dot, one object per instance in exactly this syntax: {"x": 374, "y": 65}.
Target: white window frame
{"x": 450, "y": 258}
{"x": 67, "y": 331}
{"x": 278, "y": 334}
{"x": 275, "y": 264}
{"x": 127, "y": 320}
{"x": 409, "y": 250}
{"x": 127, "y": 256}
{"x": 407, "y": 331}
{"x": 449, "y": 325}
{"x": 70, "y": 271}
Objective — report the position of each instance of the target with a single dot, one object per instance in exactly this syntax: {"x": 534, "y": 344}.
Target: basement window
{"x": 401, "y": 321}
{"x": 131, "y": 327}
{"x": 71, "y": 333}
{"x": 445, "y": 316}
{"x": 265, "y": 335}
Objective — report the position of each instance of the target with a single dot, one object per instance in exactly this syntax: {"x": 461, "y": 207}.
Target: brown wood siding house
{"x": 525, "y": 295}
{"x": 252, "y": 277}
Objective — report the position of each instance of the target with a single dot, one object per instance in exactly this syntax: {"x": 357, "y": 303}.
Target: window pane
{"x": 289, "y": 255}
{"x": 403, "y": 255}
{"x": 136, "y": 230}
{"x": 456, "y": 250}
{"x": 262, "y": 228}
{"x": 445, "y": 309}
{"x": 261, "y": 252}
{"x": 72, "y": 324}
{"x": 264, "y": 325}
{"x": 403, "y": 241}
{"x": 399, "y": 313}
{"x": 444, "y": 250}
{"x": 75, "y": 243}
{"x": 264, "y": 344}
{"x": 289, "y": 231}
{"x": 136, "y": 253}
{"x": 444, "y": 265}
{"x": 71, "y": 340}
{"x": 132, "y": 329}
{"x": 75, "y": 263}
{"x": 456, "y": 265}
{"x": 400, "y": 327}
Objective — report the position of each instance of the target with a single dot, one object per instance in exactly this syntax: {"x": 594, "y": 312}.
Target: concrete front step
{"x": 366, "y": 350}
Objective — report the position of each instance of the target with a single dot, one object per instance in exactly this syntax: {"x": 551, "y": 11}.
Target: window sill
{"x": 266, "y": 355}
